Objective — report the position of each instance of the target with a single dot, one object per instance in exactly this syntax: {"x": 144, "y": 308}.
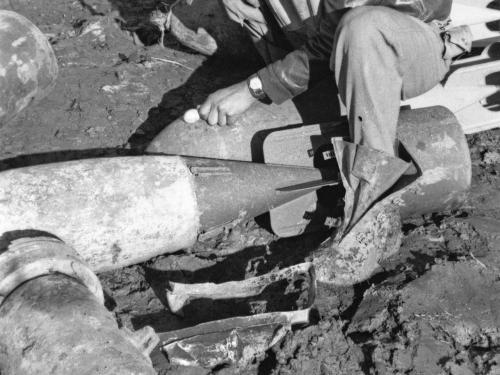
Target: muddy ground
{"x": 434, "y": 310}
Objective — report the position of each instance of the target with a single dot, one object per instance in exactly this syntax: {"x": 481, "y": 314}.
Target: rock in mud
{"x": 320, "y": 349}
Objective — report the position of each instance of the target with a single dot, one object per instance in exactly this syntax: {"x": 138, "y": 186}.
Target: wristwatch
{"x": 255, "y": 87}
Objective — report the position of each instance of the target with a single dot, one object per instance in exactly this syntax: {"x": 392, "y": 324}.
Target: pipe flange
{"x": 29, "y": 258}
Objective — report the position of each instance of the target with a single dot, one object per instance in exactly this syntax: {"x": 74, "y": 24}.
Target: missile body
{"x": 119, "y": 211}
{"x": 243, "y": 140}
{"x": 28, "y": 66}
{"x": 310, "y": 145}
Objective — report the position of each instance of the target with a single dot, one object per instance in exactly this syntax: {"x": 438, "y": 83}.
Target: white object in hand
{"x": 191, "y": 115}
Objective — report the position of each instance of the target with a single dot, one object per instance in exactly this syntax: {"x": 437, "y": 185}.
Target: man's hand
{"x": 224, "y": 103}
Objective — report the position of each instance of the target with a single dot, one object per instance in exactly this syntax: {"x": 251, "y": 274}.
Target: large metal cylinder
{"x": 431, "y": 137}
{"x": 28, "y": 66}
{"x": 119, "y": 211}
{"x": 53, "y": 323}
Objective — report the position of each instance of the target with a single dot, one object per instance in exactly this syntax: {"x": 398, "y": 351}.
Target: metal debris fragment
{"x": 235, "y": 341}
{"x": 178, "y": 295}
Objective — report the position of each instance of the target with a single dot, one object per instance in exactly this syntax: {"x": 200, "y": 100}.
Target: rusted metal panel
{"x": 179, "y": 295}
{"x": 237, "y": 341}
{"x": 436, "y": 144}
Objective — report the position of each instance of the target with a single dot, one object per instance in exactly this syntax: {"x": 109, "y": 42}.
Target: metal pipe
{"x": 54, "y": 324}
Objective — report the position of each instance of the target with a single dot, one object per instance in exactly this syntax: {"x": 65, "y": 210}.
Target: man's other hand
{"x": 224, "y": 103}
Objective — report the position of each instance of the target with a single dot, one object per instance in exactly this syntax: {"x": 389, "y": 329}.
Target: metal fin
{"x": 367, "y": 174}
{"x": 464, "y": 13}
{"x": 311, "y": 185}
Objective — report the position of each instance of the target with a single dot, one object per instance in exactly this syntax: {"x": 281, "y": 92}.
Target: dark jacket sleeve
{"x": 304, "y": 67}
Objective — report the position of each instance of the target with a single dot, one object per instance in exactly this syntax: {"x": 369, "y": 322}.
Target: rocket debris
{"x": 435, "y": 143}
{"x": 236, "y": 341}
{"x": 178, "y": 295}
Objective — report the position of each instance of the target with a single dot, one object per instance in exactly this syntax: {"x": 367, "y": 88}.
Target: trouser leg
{"x": 380, "y": 57}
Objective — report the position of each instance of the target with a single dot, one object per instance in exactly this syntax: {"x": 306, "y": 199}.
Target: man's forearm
{"x": 286, "y": 78}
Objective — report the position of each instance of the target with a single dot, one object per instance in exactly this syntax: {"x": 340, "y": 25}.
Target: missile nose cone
{"x": 175, "y": 136}
{"x": 226, "y": 190}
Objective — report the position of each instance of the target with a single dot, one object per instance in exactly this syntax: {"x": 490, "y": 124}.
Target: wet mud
{"x": 434, "y": 307}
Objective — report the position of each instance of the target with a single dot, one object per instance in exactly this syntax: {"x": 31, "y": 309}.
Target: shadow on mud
{"x": 61, "y": 156}
{"x": 205, "y": 80}
{"x": 257, "y": 260}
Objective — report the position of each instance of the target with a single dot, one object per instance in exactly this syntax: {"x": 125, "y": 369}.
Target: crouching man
{"x": 377, "y": 54}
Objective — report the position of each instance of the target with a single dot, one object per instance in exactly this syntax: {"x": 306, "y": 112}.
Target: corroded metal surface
{"x": 179, "y": 294}
{"x": 356, "y": 256}
{"x": 28, "y": 66}
{"x": 238, "y": 341}
{"x": 431, "y": 138}
{"x": 435, "y": 142}
{"x": 29, "y": 258}
{"x": 113, "y": 211}
{"x": 55, "y": 325}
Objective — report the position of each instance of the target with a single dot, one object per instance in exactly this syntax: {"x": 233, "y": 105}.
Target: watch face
{"x": 255, "y": 87}
{"x": 255, "y": 83}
